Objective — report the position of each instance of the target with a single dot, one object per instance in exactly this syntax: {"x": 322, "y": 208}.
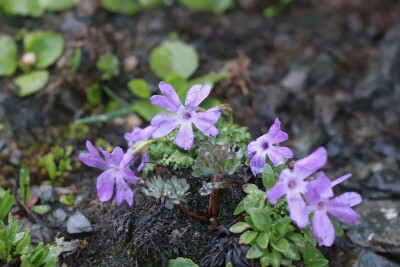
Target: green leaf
{"x": 255, "y": 252}
{"x": 281, "y": 227}
{"x": 239, "y": 227}
{"x": 139, "y": 88}
{"x": 261, "y": 219}
{"x": 248, "y": 188}
{"x": 174, "y": 57}
{"x": 94, "y": 95}
{"x": 147, "y": 110}
{"x": 239, "y": 209}
{"x": 109, "y": 64}
{"x": 24, "y": 245}
{"x": 24, "y": 183}
{"x": 216, "y": 6}
{"x": 317, "y": 263}
{"x": 262, "y": 240}
{"x": 47, "y": 47}
{"x": 296, "y": 239}
{"x": 127, "y": 7}
{"x": 311, "y": 253}
{"x": 54, "y": 251}
{"x": 31, "y": 82}
{"x": 181, "y": 262}
{"x": 336, "y": 226}
{"x": 8, "y": 56}
{"x": 68, "y": 199}
{"x": 50, "y": 166}
{"x": 273, "y": 258}
{"x": 58, "y": 5}
{"x": 247, "y": 237}
{"x": 282, "y": 245}
{"x": 292, "y": 253}
{"x": 268, "y": 177}
{"x": 6, "y": 202}
{"x": 22, "y": 8}
{"x": 41, "y": 209}
{"x": 75, "y": 59}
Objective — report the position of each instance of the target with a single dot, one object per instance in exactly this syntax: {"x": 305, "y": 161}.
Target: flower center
{"x": 292, "y": 184}
{"x": 187, "y": 115}
{"x": 321, "y": 205}
{"x": 265, "y": 145}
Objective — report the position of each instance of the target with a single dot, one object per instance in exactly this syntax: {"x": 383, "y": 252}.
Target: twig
{"x": 191, "y": 214}
{"x": 27, "y": 210}
{"x": 240, "y": 219}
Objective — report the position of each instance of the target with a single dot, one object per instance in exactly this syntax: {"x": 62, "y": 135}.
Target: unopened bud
{"x": 291, "y": 164}
{"x": 28, "y": 59}
{"x": 226, "y": 110}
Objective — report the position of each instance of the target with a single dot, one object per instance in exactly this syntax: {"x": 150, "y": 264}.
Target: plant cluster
{"x": 57, "y": 163}
{"x": 41, "y": 49}
{"x": 15, "y": 246}
{"x": 274, "y": 224}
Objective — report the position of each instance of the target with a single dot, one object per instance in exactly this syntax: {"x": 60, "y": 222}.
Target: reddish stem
{"x": 191, "y": 214}
{"x": 214, "y": 203}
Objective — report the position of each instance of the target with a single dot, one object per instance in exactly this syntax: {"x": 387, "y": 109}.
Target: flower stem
{"x": 191, "y": 214}
{"x": 213, "y": 203}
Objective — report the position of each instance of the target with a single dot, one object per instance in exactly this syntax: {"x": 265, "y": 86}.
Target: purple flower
{"x": 319, "y": 195}
{"x": 137, "y": 135}
{"x": 116, "y": 170}
{"x": 264, "y": 145}
{"x": 293, "y": 185}
{"x": 184, "y": 116}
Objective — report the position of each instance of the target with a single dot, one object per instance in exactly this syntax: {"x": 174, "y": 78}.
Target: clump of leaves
{"x": 173, "y": 191}
{"x": 109, "y": 64}
{"x": 269, "y": 231}
{"x": 215, "y": 159}
{"x": 57, "y": 163}
{"x": 34, "y": 8}
{"x": 6, "y": 202}
{"x": 14, "y": 245}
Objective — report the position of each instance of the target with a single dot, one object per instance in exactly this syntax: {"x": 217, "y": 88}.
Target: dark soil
{"x": 328, "y": 70}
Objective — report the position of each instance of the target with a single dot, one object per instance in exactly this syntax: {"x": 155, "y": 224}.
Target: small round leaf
{"x": 255, "y": 252}
{"x": 31, "y": 82}
{"x": 174, "y": 57}
{"x": 8, "y": 56}
{"x": 47, "y": 47}
{"x": 139, "y": 88}
{"x": 247, "y": 237}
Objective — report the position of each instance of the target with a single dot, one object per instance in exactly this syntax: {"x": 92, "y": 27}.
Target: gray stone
{"x": 295, "y": 80}
{"x": 387, "y": 180}
{"x": 39, "y": 233}
{"x": 367, "y": 258}
{"x": 78, "y": 224}
{"x": 379, "y": 228}
{"x": 44, "y": 192}
{"x": 58, "y": 217}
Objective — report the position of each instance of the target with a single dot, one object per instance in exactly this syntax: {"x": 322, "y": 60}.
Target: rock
{"x": 130, "y": 63}
{"x": 387, "y": 180}
{"x": 86, "y": 8}
{"x": 71, "y": 246}
{"x": 73, "y": 27}
{"x": 44, "y": 192}
{"x": 15, "y": 157}
{"x": 367, "y": 258}
{"x": 295, "y": 80}
{"x": 78, "y": 224}
{"x": 58, "y": 217}
{"x": 39, "y": 233}
{"x": 379, "y": 228}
